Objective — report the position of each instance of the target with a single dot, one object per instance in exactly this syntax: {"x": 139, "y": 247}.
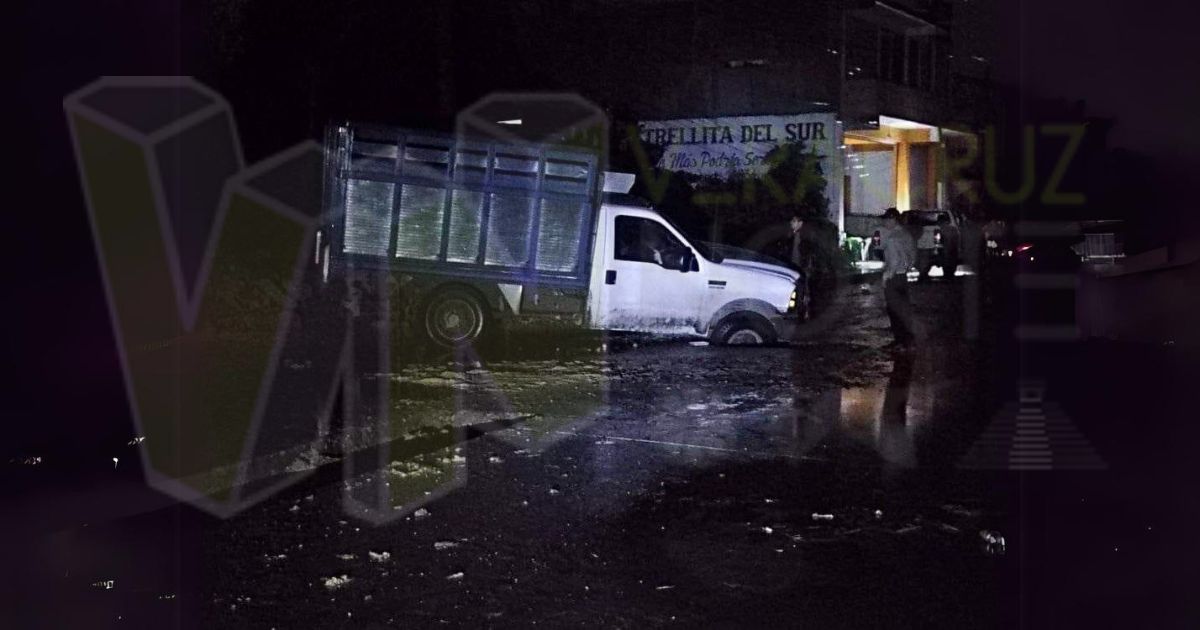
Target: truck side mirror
{"x": 687, "y": 261}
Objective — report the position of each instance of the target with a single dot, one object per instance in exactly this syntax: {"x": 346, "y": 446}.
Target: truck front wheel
{"x": 744, "y": 330}
{"x": 454, "y": 317}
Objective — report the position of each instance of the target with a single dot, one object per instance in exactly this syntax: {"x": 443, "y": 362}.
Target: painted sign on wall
{"x": 722, "y": 146}
{"x": 727, "y": 145}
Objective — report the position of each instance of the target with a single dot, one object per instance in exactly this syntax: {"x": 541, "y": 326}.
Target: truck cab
{"x": 647, "y": 276}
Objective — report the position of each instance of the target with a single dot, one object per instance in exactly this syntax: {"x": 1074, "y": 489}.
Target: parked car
{"x": 939, "y": 240}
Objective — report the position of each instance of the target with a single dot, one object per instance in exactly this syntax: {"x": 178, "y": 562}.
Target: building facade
{"x": 890, "y": 75}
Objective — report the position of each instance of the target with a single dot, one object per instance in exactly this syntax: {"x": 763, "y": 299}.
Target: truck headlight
{"x": 792, "y": 302}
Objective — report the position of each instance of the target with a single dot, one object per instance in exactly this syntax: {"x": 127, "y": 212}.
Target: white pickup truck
{"x": 487, "y": 233}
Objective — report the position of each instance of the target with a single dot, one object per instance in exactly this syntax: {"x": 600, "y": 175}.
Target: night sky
{"x": 1132, "y": 61}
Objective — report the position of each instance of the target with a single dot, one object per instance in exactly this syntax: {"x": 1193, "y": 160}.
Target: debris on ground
{"x": 336, "y": 582}
{"x": 993, "y": 542}
{"x": 308, "y": 460}
{"x": 959, "y": 510}
{"x": 821, "y": 517}
{"x": 382, "y": 556}
{"x": 442, "y": 545}
{"x": 455, "y": 576}
{"x": 421, "y": 513}
{"x": 946, "y": 527}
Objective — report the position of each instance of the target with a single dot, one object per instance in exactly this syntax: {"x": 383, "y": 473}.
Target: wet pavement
{"x": 829, "y": 484}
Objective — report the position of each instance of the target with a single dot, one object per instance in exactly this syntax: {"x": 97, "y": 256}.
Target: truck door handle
{"x": 610, "y": 276}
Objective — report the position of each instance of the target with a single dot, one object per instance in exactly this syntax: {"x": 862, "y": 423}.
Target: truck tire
{"x": 454, "y": 317}
{"x": 744, "y": 330}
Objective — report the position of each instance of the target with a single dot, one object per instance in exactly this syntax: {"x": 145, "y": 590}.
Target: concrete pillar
{"x": 903, "y": 150}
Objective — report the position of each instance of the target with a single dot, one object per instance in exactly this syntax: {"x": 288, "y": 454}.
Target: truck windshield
{"x": 700, "y": 246}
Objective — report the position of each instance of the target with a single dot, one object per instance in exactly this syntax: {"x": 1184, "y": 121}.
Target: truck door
{"x": 643, "y": 286}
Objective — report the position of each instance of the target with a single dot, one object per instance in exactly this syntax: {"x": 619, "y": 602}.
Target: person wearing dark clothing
{"x": 815, "y": 253}
{"x": 950, "y": 241}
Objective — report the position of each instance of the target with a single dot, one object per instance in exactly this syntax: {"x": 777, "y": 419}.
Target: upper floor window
{"x": 891, "y": 56}
{"x": 875, "y": 51}
{"x": 907, "y": 59}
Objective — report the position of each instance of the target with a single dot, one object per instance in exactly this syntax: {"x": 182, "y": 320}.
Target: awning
{"x": 895, "y": 18}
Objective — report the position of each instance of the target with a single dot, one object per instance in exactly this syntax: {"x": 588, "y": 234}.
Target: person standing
{"x": 815, "y": 253}
{"x": 899, "y": 255}
{"x": 951, "y": 239}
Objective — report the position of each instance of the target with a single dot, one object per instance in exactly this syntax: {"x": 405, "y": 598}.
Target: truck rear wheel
{"x": 744, "y": 330}
{"x": 454, "y": 317}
